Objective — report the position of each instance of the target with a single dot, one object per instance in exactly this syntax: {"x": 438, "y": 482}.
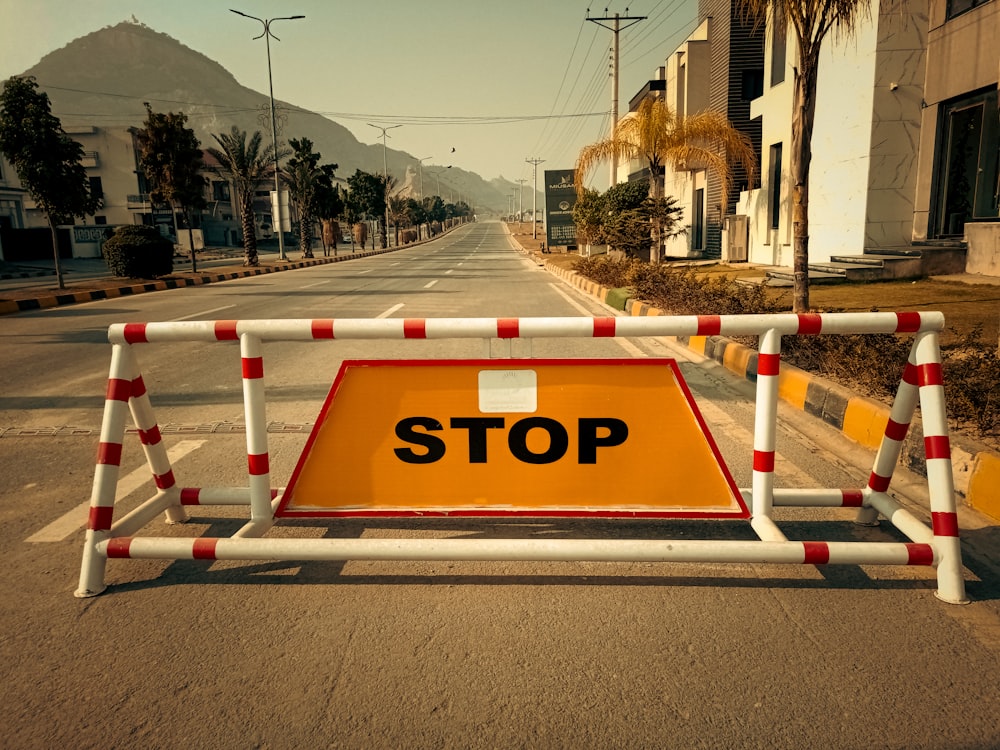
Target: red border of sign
{"x": 281, "y": 511}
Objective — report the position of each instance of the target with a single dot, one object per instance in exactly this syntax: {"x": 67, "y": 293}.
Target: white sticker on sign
{"x": 508, "y": 391}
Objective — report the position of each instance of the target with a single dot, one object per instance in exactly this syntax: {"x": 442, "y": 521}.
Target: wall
{"x": 841, "y": 146}
{"x": 900, "y": 69}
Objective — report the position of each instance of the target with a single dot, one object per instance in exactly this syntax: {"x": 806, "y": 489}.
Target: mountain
{"x": 103, "y": 78}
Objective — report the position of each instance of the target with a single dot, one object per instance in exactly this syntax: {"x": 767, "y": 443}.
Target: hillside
{"x": 103, "y": 79}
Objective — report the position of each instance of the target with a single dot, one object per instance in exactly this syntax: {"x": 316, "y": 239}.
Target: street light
{"x": 274, "y": 125}
{"x": 420, "y": 165}
{"x": 385, "y": 174}
{"x": 437, "y": 174}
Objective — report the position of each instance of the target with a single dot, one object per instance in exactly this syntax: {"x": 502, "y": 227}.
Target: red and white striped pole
{"x": 109, "y": 455}
{"x": 940, "y": 481}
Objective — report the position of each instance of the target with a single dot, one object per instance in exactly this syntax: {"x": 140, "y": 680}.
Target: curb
{"x": 863, "y": 420}
{"x": 8, "y": 307}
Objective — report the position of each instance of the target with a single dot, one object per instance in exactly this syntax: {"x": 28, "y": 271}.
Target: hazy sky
{"x": 497, "y": 81}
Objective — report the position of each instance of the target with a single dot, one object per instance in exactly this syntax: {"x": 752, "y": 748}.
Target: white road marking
{"x": 389, "y": 312}
{"x": 199, "y": 314}
{"x": 429, "y": 284}
{"x": 70, "y": 522}
{"x": 369, "y": 270}
{"x": 318, "y": 283}
{"x": 450, "y": 270}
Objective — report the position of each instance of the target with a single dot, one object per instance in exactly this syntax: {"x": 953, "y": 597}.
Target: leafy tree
{"x": 434, "y": 208}
{"x": 246, "y": 164}
{"x": 47, "y": 161}
{"x": 302, "y": 174}
{"x": 621, "y": 217}
{"x": 588, "y": 215}
{"x": 655, "y": 134}
{"x": 811, "y": 20}
{"x": 367, "y": 193}
{"x": 415, "y": 212}
{"x": 328, "y": 201}
{"x": 170, "y": 157}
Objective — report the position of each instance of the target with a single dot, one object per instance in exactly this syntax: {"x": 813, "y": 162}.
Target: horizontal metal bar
{"x": 579, "y": 327}
{"x": 594, "y": 550}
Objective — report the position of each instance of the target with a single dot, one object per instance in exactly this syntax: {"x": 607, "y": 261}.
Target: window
{"x": 774, "y": 185}
{"x": 958, "y": 7}
{"x": 96, "y": 187}
{"x": 220, "y": 191}
{"x": 698, "y": 220}
{"x": 100, "y": 220}
{"x": 779, "y": 41}
{"x": 752, "y": 85}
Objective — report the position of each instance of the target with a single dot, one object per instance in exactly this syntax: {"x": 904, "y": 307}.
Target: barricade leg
{"x": 940, "y": 481}
{"x": 765, "y": 419}
{"x": 261, "y": 511}
{"x": 102, "y": 497}
{"x": 152, "y": 446}
{"x": 887, "y": 457}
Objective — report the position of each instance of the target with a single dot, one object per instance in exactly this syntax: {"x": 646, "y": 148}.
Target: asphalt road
{"x": 443, "y": 654}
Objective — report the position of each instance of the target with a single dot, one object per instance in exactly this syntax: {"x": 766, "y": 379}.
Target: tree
{"x": 301, "y": 175}
{"x": 328, "y": 202}
{"x": 589, "y": 212}
{"x": 621, "y": 217}
{"x": 367, "y": 195}
{"x": 655, "y": 134}
{"x": 398, "y": 213}
{"x": 47, "y": 161}
{"x": 415, "y": 213}
{"x": 811, "y": 20}
{"x": 246, "y": 164}
{"x": 170, "y": 157}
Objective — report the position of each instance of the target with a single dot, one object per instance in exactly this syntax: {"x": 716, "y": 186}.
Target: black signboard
{"x": 560, "y": 197}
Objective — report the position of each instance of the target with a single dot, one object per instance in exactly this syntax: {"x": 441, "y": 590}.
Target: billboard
{"x": 560, "y": 197}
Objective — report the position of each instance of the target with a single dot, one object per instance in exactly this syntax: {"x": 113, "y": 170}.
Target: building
{"x": 720, "y": 66}
{"x": 904, "y": 151}
{"x": 958, "y": 173}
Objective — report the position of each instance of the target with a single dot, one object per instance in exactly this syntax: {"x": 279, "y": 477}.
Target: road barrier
{"x": 936, "y": 545}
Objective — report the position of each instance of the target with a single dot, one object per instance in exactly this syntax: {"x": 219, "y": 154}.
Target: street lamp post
{"x": 385, "y": 174}
{"x": 274, "y": 125}
{"x": 420, "y": 166}
{"x": 437, "y": 176}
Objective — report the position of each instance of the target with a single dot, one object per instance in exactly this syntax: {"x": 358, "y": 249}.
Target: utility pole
{"x": 615, "y": 28}
{"x": 520, "y": 200}
{"x": 534, "y": 196}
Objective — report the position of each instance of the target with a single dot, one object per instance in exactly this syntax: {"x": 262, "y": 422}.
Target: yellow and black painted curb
{"x": 127, "y": 290}
{"x": 863, "y": 420}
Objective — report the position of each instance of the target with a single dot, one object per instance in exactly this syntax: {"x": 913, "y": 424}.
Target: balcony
{"x": 140, "y": 200}
{"x": 90, "y": 159}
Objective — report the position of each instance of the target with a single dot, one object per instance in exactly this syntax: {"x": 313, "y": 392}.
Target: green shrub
{"x": 138, "y": 252}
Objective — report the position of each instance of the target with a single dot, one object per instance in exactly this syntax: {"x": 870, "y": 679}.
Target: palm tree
{"x": 397, "y": 213}
{"x": 246, "y": 165}
{"x": 812, "y": 20}
{"x": 655, "y": 134}
{"x": 302, "y": 175}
